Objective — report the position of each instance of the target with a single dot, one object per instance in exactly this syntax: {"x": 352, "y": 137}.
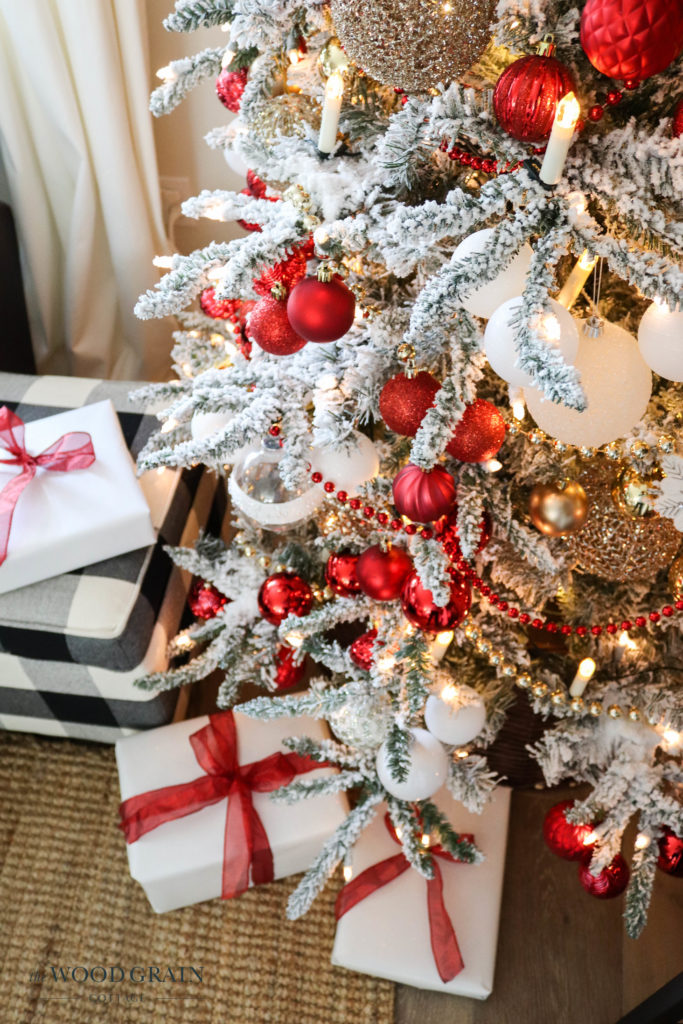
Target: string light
{"x": 642, "y": 841}
{"x": 228, "y": 58}
{"x": 169, "y": 425}
{"x": 167, "y": 74}
{"x": 163, "y": 262}
{"x": 584, "y": 674}
{"x": 294, "y": 639}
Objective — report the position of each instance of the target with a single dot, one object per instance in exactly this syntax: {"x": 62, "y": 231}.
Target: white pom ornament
{"x": 349, "y": 466}
{"x": 558, "y": 327}
{"x": 456, "y": 715}
{"x": 660, "y": 339}
{"x": 257, "y": 490}
{"x": 427, "y": 771}
{"x": 510, "y": 282}
{"x": 617, "y": 385}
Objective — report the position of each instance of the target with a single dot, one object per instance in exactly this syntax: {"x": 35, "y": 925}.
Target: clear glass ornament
{"x": 257, "y": 489}
{"x": 364, "y": 721}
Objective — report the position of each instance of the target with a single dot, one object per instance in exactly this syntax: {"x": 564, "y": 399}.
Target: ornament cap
{"x": 546, "y": 47}
{"x": 593, "y": 326}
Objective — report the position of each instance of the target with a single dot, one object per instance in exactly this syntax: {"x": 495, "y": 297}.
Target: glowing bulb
{"x": 462, "y": 753}
{"x": 184, "y": 643}
{"x": 586, "y": 261}
{"x": 642, "y": 841}
{"x": 586, "y": 668}
{"x": 671, "y": 737}
{"x": 568, "y": 110}
{"x": 493, "y": 465}
{"x": 163, "y": 262}
{"x": 626, "y": 642}
{"x": 335, "y": 86}
{"x": 167, "y": 74}
{"x": 446, "y": 637}
{"x": 169, "y": 425}
{"x": 347, "y": 872}
{"x": 294, "y": 56}
{"x": 294, "y": 638}
{"x": 399, "y": 832}
{"x": 447, "y": 8}
{"x": 514, "y": 24}
{"x": 386, "y": 662}
{"x": 228, "y": 58}
{"x": 215, "y": 275}
{"x": 551, "y": 327}
{"x": 580, "y": 681}
{"x": 214, "y": 211}
{"x": 225, "y": 27}
{"x": 519, "y": 409}
{"x": 425, "y": 839}
{"x": 449, "y": 693}
{"x": 590, "y": 838}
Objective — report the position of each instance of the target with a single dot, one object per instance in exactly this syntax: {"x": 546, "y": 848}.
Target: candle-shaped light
{"x": 571, "y": 289}
{"x": 439, "y": 645}
{"x": 566, "y": 116}
{"x": 334, "y": 90}
{"x": 584, "y": 674}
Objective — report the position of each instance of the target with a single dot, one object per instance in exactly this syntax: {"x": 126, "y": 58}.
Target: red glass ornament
{"x": 219, "y": 309}
{"x": 287, "y": 672}
{"x": 362, "y": 650}
{"x": 670, "y": 857}
{"x": 205, "y": 601}
{"x": 286, "y": 274}
{"x": 677, "y": 120}
{"x": 611, "y": 881}
{"x": 381, "y": 574}
{"x": 404, "y": 401}
{"x": 270, "y": 328}
{"x": 284, "y": 594}
{"x": 321, "y": 311}
{"x": 614, "y": 96}
{"x": 479, "y": 434}
{"x": 230, "y": 86}
{"x": 423, "y": 495}
{"x": 631, "y": 39}
{"x": 420, "y": 610}
{"x": 571, "y": 842}
{"x": 256, "y": 187}
{"x": 526, "y": 96}
{"x": 340, "y": 573}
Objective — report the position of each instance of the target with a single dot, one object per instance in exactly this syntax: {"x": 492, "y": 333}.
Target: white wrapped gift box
{"x": 66, "y": 520}
{"x": 180, "y": 862}
{"x": 387, "y": 934}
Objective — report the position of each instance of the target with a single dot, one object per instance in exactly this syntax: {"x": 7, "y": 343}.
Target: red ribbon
{"x": 71, "y": 451}
{"x": 445, "y": 949}
{"x": 246, "y": 843}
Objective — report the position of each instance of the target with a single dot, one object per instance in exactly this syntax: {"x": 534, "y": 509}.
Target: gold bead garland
{"x": 615, "y": 451}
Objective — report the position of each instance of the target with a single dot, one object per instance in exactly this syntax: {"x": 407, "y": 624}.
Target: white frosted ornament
{"x": 205, "y": 424}
{"x": 349, "y": 466}
{"x": 483, "y": 301}
{"x": 558, "y": 327}
{"x": 455, "y": 715}
{"x": 617, "y": 385}
{"x": 660, "y": 340}
{"x": 258, "y": 491}
{"x": 427, "y": 771}
{"x": 363, "y": 721}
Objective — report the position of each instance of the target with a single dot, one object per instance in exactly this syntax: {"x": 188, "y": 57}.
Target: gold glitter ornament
{"x": 285, "y": 115}
{"x": 676, "y": 578}
{"x": 415, "y": 44}
{"x": 615, "y": 546}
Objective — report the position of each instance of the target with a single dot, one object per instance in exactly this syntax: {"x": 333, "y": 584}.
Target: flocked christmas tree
{"x": 454, "y": 476}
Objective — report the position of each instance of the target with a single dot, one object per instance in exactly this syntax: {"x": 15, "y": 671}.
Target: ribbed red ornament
{"x": 677, "y": 120}
{"x": 340, "y": 574}
{"x": 479, "y": 434}
{"x": 611, "y": 881}
{"x": 423, "y": 495}
{"x": 670, "y": 858}
{"x": 362, "y": 650}
{"x": 205, "y": 600}
{"x": 447, "y": 533}
{"x": 321, "y": 311}
{"x": 284, "y": 594}
{"x": 230, "y": 86}
{"x": 381, "y": 574}
{"x": 526, "y": 96}
{"x": 419, "y": 608}
{"x": 286, "y": 274}
{"x": 287, "y": 672}
{"x": 571, "y": 842}
{"x": 270, "y": 328}
{"x": 404, "y": 401}
{"x": 632, "y": 39}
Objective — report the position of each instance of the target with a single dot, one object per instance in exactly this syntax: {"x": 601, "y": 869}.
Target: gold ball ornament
{"x": 416, "y": 44}
{"x": 616, "y": 546}
{"x": 633, "y": 493}
{"x": 676, "y": 578}
{"x": 558, "y": 509}
{"x": 285, "y": 115}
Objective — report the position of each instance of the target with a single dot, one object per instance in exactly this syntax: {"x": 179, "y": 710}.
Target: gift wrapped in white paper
{"x": 65, "y": 520}
{"x": 180, "y": 862}
{"x": 387, "y": 933}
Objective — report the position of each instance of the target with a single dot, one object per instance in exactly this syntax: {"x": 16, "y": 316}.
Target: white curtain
{"x": 78, "y": 150}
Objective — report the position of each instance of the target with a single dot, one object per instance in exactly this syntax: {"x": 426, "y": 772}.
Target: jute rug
{"x": 67, "y": 901}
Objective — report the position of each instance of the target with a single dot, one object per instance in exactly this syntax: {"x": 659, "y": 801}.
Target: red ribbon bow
{"x": 445, "y": 949}
{"x": 71, "y": 451}
{"x": 246, "y": 843}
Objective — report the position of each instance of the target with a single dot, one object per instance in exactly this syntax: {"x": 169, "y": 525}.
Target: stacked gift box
{"x": 73, "y": 644}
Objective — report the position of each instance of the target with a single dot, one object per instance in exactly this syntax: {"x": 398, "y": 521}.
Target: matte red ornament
{"x": 321, "y": 310}
{"x": 230, "y": 86}
{"x": 287, "y": 672}
{"x": 362, "y": 650}
{"x": 677, "y": 120}
{"x": 404, "y": 401}
{"x": 381, "y": 574}
{"x": 526, "y": 96}
{"x": 423, "y": 495}
{"x": 479, "y": 434}
{"x": 285, "y": 274}
{"x": 219, "y": 309}
{"x": 670, "y": 858}
{"x": 447, "y": 533}
{"x": 611, "y": 881}
{"x": 205, "y": 601}
{"x": 419, "y": 608}
{"x": 270, "y": 328}
{"x": 284, "y": 594}
{"x": 340, "y": 574}
{"x": 632, "y": 39}
{"x": 571, "y": 842}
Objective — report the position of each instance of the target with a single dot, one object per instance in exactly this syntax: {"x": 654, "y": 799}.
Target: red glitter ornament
{"x": 340, "y": 574}
{"x": 423, "y": 495}
{"x": 527, "y": 93}
{"x": 677, "y": 120}
{"x": 479, "y": 434}
{"x": 631, "y": 39}
{"x": 670, "y": 858}
{"x": 270, "y": 328}
{"x": 611, "y": 881}
{"x": 571, "y": 842}
{"x": 381, "y": 574}
{"x": 205, "y": 601}
{"x": 404, "y": 401}
{"x": 230, "y": 86}
{"x": 219, "y": 309}
{"x": 284, "y": 274}
{"x": 287, "y": 672}
{"x": 362, "y": 650}
{"x": 321, "y": 310}
{"x": 255, "y": 186}
{"x": 284, "y": 594}
{"x": 419, "y": 608}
